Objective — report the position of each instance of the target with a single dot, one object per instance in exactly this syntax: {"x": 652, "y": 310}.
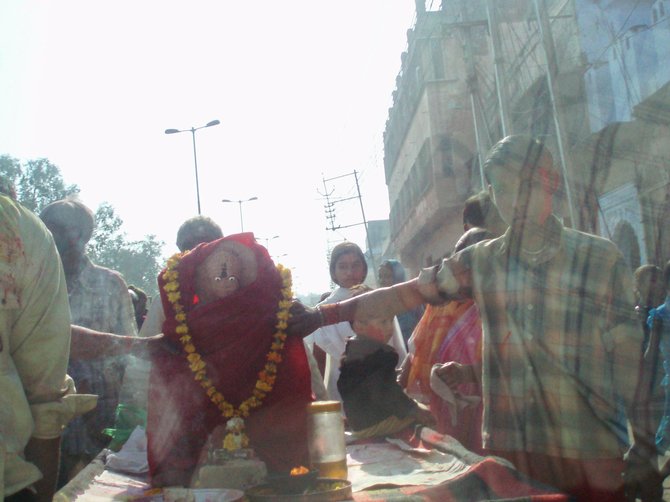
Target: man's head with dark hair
{"x": 197, "y": 230}
{"x": 391, "y": 272}
{"x": 71, "y": 223}
{"x": 523, "y": 179}
{"x": 518, "y": 151}
{"x": 649, "y": 285}
{"x": 474, "y": 209}
{"x": 479, "y": 210}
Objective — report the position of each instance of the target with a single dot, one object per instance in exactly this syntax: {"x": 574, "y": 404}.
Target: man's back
{"x": 34, "y": 339}
{"x": 99, "y": 300}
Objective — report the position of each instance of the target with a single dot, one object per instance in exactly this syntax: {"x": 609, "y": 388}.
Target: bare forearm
{"x": 90, "y": 344}
{"x": 389, "y": 301}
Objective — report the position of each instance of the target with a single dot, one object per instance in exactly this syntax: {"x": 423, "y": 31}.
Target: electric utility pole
{"x": 330, "y": 207}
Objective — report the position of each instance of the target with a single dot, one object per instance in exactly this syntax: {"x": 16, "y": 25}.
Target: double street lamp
{"x": 195, "y": 157}
{"x": 240, "y": 203}
{"x": 267, "y": 241}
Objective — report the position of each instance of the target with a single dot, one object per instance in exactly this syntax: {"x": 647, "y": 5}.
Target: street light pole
{"x": 195, "y": 163}
{"x": 240, "y": 203}
{"x": 267, "y": 241}
{"x": 195, "y": 156}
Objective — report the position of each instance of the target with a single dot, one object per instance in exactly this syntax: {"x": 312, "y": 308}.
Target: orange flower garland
{"x": 266, "y": 377}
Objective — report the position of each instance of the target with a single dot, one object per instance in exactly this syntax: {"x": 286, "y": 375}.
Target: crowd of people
{"x": 563, "y": 369}
{"x": 530, "y": 341}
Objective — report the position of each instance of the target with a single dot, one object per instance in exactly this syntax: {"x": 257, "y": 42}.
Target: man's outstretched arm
{"x": 89, "y": 344}
{"x": 391, "y": 301}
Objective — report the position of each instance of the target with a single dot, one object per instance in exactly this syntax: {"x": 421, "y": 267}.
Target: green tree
{"x": 108, "y": 240}
{"x": 10, "y": 168}
{"x": 39, "y": 182}
{"x": 138, "y": 261}
{"x": 141, "y": 262}
{"x": 10, "y": 171}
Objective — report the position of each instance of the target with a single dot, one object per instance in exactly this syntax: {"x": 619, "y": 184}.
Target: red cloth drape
{"x": 233, "y": 336}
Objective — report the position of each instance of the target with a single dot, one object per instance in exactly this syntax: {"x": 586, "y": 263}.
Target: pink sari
{"x": 450, "y": 332}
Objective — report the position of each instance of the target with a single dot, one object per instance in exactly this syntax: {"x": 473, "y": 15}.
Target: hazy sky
{"x": 302, "y": 90}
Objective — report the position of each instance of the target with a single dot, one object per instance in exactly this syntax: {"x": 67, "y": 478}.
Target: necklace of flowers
{"x": 266, "y": 377}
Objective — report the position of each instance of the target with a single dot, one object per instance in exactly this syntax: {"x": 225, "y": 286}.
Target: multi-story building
{"x": 625, "y": 48}
{"x": 588, "y": 77}
{"x": 429, "y": 149}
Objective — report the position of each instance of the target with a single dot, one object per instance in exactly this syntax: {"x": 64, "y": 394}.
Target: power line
{"x": 330, "y": 209}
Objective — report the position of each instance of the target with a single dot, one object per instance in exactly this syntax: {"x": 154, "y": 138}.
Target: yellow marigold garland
{"x": 266, "y": 377}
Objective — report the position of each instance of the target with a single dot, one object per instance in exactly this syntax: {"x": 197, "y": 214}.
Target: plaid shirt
{"x": 561, "y": 343}
{"x": 99, "y": 300}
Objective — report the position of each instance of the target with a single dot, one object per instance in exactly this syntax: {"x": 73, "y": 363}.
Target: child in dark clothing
{"x": 374, "y": 402}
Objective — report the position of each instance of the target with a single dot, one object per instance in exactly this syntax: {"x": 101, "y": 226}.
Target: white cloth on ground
{"x": 132, "y": 458}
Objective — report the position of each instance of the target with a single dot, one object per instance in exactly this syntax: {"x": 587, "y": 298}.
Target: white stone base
{"x": 235, "y": 473}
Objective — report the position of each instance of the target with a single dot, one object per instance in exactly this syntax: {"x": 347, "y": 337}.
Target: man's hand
{"x": 88, "y": 344}
{"x": 641, "y": 477}
{"x": 454, "y": 374}
{"x": 427, "y": 286}
{"x": 148, "y": 346}
{"x": 303, "y": 321}
{"x": 424, "y": 416}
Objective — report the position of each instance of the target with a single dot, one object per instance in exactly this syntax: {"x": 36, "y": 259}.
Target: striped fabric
{"x": 561, "y": 343}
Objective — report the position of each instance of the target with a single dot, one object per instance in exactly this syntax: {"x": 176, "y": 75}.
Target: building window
{"x": 424, "y": 167}
{"x": 436, "y": 55}
{"x": 447, "y": 151}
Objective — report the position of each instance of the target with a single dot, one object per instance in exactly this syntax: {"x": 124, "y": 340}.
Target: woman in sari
{"x": 449, "y": 333}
